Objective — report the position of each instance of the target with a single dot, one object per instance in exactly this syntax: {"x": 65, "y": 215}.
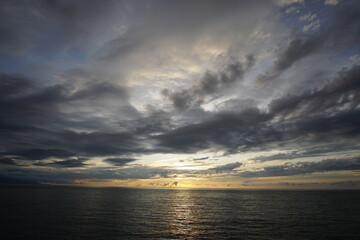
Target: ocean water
{"x": 45, "y": 212}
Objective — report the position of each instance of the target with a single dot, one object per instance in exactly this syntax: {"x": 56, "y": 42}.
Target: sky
{"x": 181, "y": 94}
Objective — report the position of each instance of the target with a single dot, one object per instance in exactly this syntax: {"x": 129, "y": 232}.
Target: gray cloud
{"x": 229, "y": 130}
{"x": 40, "y": 121}
{"x": 320, "y": 184}
{"x": 119, "y": 162}
{"x": 38, "y": 154}
{"x": 208, "y": 85}
{"x": 11, "y": 180}
{"x": 7, "y": 161}
{"x": 38, "y": 106}
{"x": 227, "y": 167}
{"x": 204, "y": 18}
{"x": 313, "y": 151}
{"x": 305, "y": 168}
{"x": 13, "y": 84}
{"x": 296, "y": 49}
{"x": 70, "y": 103}
{"x": 53, "y": 25}
{"x": 233, "y": 131}
{"x": 340, "y": 31}
{"x": 313, "y": 116}
{"x": 200, "y": 159}
{"x": 70, "y": 171}
{"x": 69, "y": 163}
{"x": 346, "y": 183}
{"x": 342, "y": 91}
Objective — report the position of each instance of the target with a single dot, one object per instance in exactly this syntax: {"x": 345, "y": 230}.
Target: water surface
{"x": 46, "y": 212}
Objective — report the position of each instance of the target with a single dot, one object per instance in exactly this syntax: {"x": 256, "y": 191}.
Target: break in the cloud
{"x": 104, "y": 93}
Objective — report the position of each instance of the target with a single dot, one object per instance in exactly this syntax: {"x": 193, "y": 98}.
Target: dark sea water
{"x": 44, "y": 212}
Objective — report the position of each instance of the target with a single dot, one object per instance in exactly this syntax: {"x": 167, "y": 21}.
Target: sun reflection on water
{"x": 187, "y": 213}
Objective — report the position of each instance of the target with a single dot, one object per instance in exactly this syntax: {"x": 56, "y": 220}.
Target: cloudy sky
{"x": 203, "y": 94}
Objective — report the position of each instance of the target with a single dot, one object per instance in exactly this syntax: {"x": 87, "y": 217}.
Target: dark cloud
{"x": 227, "y": 130}
{"x": 209, "y": 84}
{"x": 281, "y": 156}
{"x": 38, "y": 154}
{"x": 73, "y": 144}
{"x": 13, "y": 84}
{"x": 98, "y": 91}
{"x": 303, "y": 184}
{"x": 119, "y": 162}
{"x": 313, "y": 151}
{"x": 346, "y": 183}
{"x": 200, "y": 159}
{"x": 59, "y": 117}
{"x": 69, "y": 163}
{"x": 11, "y": 180}
{"x": 7, "y": 161}
{"x": 166, "y": 184}
{"x": 46, "y": 107}
{"x": 227, "y": 167}
{"x": 315, "y": 116}
{"x": 203, "y": 18}
{"x": 131, "y": 172}
{"x": 339, "y": 31}
{"x": 53, "y": 25}
{"x": 154, "y": 122}
{"x": 332, "y": 95}
{"x": 102, "y": 144}
{"x": 296, "y": 49}
{"x": 38, "y": 124}
{"x": 299, "y": 168}
{"x": 68, "y": 172}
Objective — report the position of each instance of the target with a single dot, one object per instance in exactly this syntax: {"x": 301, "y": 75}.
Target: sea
{"x": 58, "y": 212}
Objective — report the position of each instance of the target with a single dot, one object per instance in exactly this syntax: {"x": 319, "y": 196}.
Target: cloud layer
{"x": 123, "y": 90}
